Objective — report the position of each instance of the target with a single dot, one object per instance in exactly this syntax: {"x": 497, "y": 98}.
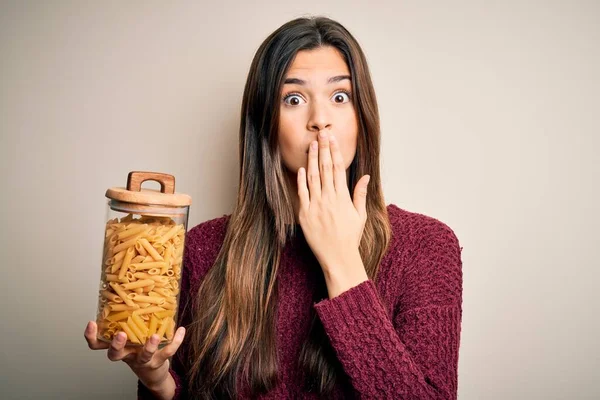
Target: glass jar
{"x": 142, "y": 260}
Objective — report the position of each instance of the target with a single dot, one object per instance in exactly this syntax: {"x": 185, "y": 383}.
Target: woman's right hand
{"x": 149, "y": 364}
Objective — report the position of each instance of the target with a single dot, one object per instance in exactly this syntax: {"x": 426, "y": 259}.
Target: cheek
{"x": 348, "y": 143}
{"x": 289, "y": 145}
{"x": 348, "y": 150}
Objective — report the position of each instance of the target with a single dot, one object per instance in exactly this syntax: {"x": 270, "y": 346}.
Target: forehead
{"x": 320, "y": 61}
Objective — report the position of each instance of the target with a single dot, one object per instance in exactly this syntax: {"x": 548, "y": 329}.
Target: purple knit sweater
{"x": 396, "y": 338}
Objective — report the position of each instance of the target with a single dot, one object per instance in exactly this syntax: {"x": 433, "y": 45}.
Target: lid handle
{"x": 136, "y": 178}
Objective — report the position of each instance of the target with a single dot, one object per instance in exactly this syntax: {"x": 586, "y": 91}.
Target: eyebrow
{"x": 333, "y": 79}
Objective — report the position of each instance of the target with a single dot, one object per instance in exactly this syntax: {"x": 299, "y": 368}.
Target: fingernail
{"x": 322, "y": 135}
{"x": 314, "y": 145}
{"x": 332, "y": 138}
{"x": 180, "y": 333}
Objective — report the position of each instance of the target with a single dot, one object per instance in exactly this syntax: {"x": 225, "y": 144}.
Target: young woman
{"x": 312, "y": 287}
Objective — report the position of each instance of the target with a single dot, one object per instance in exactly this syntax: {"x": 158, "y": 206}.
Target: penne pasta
{"x": 126, "y": 261}
{"x": 164, "y": 292}
{"x": 112, "y": 278}
{"x": 138, "y": 284}
{"x": 170, "y": 329}
{"x": 164, "y": 314}
{"x": 141, "y": 250}
{"x": 122, "y": 293}
{"x": 133, "y": 230}
{"x": 136, "y": 330}
{"x": 130, "y": 335}
{"x": 153, "y": 325}
{"x": 147, "y": 265}
{"x": 169, "y": 234}
{"x": 168, "y": 253}
{"x": 111, "y": 296}
{"x": 125, "y": 245}
{"x": 104, "y": 325}
{"x": 116, "y": 266}
{"x": 149, "y": 310}
{"x": 151, "y": 250}
{"x": 118, "y": 316}
{"x": 163, "y": 328}
{"x": 140, "y": 278}
{"x": 147, "y": 289}
{"x": 143, "y": 275}
{"x": 150, "y": 299}
{"x": 117, "y": 257}
{"x": 138, "y": 259}
{"x": 168, "y": 298}
{"x": 123, "y": 307}
{"x": 168, "y": 306}
{"x": 139, "y": 322}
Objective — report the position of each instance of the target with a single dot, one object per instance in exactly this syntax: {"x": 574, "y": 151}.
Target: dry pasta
{"x": 141, "y": 271}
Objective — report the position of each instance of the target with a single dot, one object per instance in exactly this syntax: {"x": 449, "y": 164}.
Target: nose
{"x": 319, "y": 119}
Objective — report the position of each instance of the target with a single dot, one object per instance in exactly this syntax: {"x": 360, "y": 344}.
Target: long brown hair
{"x": 233, "y": 334}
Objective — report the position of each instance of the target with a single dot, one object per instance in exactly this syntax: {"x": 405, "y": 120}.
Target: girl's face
{"x": 316, "y": 95}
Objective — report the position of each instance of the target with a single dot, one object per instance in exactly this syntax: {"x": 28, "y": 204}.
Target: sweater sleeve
{"x": 414, "y": 353}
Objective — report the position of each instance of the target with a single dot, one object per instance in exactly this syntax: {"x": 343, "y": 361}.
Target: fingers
{"x": 172, "y": 347}
{"x": 325, "y": 165}
{"x": 149, "y": 349}
{"x": 303, "y": 189}
{"x": 339, "y": 169}
{"x": 360, "y": 196}
{"x": 91, "y": 332}
{"x": 312, "y": 172}
{"x": 116, "y": 350}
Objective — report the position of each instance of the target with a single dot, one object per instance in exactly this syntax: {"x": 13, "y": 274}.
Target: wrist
{"x": 341, "y": 279}
{"x": 340, "y": 266}
{"x": 165, "y": 389}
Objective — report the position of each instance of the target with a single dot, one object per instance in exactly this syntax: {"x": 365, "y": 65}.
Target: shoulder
{"x": 425, "y": 258}
{"x": 208, "y": 231}
{"x": 202, "y": 245}
{"x": 415, "y": 229}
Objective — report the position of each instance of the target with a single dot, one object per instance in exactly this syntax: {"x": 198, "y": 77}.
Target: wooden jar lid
{"x": 134, "y": 193}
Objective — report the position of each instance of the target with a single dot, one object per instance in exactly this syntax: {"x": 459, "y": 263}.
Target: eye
{"x": 341, "y": 97}
{"x": 293, "y": 99}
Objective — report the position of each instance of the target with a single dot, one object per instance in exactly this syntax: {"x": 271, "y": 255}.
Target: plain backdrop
{"x": 489, "y": 115}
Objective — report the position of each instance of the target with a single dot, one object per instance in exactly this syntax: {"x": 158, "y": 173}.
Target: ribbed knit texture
{"x": 396, "y": 338}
